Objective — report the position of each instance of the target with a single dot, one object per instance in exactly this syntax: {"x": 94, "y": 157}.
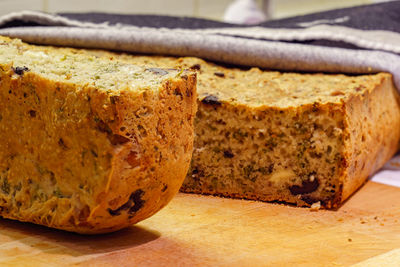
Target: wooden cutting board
{"x": 209, "y": 231}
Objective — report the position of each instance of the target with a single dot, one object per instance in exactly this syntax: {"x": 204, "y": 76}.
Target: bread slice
{"x": 88, "y": 144}
{"x": 295, "y": 138}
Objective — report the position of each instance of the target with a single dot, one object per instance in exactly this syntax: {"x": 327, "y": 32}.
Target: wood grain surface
{"x": 209, "y": 231}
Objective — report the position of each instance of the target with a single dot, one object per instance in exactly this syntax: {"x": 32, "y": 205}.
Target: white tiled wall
{"x": 7, "y": 6}
{"x": 172, "y": 7}
{"x": 213, "y": 9}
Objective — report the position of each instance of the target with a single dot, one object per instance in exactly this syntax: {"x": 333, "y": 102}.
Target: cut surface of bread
{"x": 295, "y": 138}
{"x": 88, "y": 144}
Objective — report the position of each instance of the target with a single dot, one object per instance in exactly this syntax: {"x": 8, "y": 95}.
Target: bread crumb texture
{"x": 89, "y": 144}
{"x": 286, "y": 137}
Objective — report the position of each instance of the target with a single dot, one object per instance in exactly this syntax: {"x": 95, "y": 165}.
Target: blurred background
{"x": 210, "y": 9}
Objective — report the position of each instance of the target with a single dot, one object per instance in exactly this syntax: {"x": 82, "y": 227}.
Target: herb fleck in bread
{"x": 296, "y": 138}
{"x": 88, "y": 144}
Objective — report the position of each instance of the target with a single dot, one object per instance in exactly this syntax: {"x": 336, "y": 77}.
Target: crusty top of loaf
{"x": 257, "y": 88}
{"x": 263, "y": 88}
{"x": 78, "y": 67}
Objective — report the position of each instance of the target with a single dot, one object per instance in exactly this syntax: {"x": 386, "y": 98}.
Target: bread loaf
{"x": 295, "y": 138}
{"x": 89, "y": 144}
{"x": 308, "y": 139}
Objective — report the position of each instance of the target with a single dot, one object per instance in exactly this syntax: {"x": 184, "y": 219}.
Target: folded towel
{"x": 363, "y": 39}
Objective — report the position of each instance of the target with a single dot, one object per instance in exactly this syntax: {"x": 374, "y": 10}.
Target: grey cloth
{"x": 363, "y": 39}
{"x": 323, "y": 42}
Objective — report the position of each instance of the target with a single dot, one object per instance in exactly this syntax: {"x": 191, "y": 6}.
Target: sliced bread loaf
{"x": 88, "y": 144}
{"x": 296, "y": 138}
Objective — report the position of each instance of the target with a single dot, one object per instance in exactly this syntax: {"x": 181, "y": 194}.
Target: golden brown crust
{"x": 78, "y": 157}
{"x": 157, "y": 157}
{"x": 374, "y": 133}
